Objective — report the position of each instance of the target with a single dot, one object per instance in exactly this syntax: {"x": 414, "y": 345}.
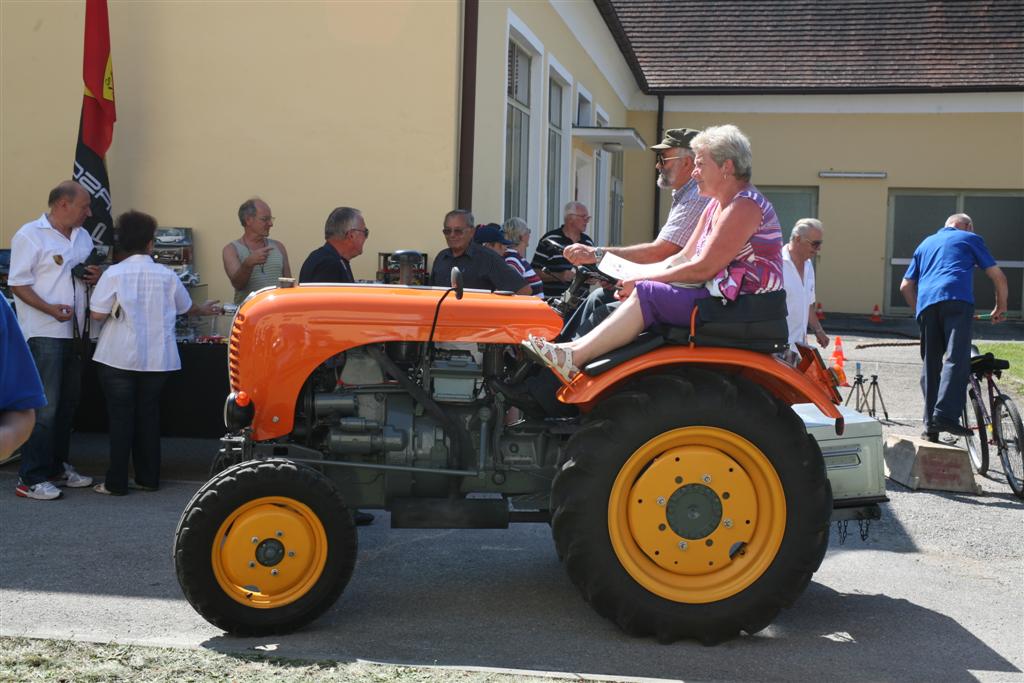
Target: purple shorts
{"x": 668, "y": 305}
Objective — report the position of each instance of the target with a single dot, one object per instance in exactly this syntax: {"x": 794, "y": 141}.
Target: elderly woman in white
{"x": 139, "y": 300}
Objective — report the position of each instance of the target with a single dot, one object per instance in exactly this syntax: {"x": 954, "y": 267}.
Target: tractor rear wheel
{"x": 691, "y": 505}
{"x": 264, "y": 547}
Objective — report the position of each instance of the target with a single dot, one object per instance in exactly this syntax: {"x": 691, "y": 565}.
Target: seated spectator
{"x": 491, "y": 237}
{"x": 736, "y": 250}
{"x": 21, "y": 391}
{"x": 139, "y": 300}
{"x": 518, "y": 233}
{"x": 481, "y": 268}
{"x": 549, "y": 259}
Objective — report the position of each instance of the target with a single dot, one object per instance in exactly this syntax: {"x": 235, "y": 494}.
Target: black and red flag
{"x": 96, "y": 128}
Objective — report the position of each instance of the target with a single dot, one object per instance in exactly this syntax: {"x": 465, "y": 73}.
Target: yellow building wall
{"x": 308, "y": 105}
{"x": 931, "y": 151}
{"x": 558, "y": 40}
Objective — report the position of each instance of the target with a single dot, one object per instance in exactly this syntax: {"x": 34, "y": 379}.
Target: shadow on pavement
{"x": 852, "y": 637}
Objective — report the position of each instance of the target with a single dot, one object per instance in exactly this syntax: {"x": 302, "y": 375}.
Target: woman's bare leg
{"x": 618, "y": 329}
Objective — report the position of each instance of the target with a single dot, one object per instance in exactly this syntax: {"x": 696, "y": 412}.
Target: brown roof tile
{"x": 820, "y": 46}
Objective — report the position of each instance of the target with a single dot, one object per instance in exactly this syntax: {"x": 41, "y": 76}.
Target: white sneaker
{"x": 71, "y": 479}
{"x": 42, "y": 491}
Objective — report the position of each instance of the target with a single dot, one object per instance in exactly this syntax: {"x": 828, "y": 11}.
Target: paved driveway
{"x": 933, "y": 594}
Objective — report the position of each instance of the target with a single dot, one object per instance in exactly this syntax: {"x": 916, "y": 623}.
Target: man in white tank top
{"x": 254, "y": 261}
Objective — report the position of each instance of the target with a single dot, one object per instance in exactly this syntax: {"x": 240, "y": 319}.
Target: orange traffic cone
{"x": 820, "y": 312}
{"x": 876, "y": 315}
{"x": 838, "y": 360}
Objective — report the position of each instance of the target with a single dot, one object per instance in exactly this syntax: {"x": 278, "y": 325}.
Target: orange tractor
{"x": 684, "y": 493}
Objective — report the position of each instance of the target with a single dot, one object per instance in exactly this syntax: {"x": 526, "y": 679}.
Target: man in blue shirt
{"x": 939, "y": 287}
{"x": 21, "y": 392}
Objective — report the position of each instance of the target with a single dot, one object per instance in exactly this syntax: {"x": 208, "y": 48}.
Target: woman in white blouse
{"x": 139, "y": 300}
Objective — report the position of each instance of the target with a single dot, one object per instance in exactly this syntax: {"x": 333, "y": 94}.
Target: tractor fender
{"x": 781, "y": 379}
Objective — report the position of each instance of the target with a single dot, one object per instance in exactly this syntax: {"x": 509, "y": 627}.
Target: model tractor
{"x": 685, "y": 495}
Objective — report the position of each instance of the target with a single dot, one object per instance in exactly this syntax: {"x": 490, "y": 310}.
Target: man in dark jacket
{"x": 345, "y": 233}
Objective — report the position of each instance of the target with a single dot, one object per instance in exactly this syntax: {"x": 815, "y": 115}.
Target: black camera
{"x": 97, "y": 256}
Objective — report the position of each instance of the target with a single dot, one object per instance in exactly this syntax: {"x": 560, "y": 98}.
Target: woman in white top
{"x": 139, "y": 300}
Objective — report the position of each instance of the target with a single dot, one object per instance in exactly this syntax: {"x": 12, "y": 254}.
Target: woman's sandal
{"x": 546, "y": 353}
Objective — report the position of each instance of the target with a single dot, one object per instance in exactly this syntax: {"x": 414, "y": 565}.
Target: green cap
{"x": 677, "y": 137}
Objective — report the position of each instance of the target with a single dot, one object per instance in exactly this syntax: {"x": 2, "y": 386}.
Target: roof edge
{"x": 611, "y": 19}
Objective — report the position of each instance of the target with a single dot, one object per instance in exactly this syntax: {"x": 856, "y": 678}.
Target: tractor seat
{"x": 754, "y": 322}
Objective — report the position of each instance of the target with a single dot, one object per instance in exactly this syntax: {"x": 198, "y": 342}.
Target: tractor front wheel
{"x": 691, "y": 505}
{"x": 264, "y": 547}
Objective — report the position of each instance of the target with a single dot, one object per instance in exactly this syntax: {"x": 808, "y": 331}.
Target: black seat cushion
{"x": 754, "y": 322}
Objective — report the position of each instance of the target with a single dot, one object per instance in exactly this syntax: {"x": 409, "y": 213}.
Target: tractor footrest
{"x": 445, "y": 513}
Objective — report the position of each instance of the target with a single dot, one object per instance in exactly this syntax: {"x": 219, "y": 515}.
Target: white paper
{"x": 623, "y": 269}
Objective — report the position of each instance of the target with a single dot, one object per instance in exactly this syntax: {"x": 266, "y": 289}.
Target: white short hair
{"x": 804, "y": 226}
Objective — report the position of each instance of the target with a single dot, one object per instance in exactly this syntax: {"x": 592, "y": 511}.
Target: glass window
{"x": 554, "y": 177}
{"x": 517, "y": 132}
{"x": 791, "y": 204}
{"x": 998, "y": 217}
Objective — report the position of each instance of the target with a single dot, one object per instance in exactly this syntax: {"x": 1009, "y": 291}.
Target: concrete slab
{"x": 920, "y": 464}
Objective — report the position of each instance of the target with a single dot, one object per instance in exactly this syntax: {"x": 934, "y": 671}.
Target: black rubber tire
{"x": 227, "y": 492}
{"x": 653, "y": 405}
{"x": 977, "y": 443}
{"x": 1009, "y": 433}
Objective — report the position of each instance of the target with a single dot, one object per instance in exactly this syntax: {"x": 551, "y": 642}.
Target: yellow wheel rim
{"x": 269, "y": 552}
{"x": 697, "y": 514}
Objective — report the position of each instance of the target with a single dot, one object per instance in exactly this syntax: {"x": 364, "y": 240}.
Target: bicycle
{"x": 996, "y": 423}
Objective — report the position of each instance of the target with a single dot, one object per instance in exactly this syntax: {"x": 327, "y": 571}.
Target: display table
{"x": 192, "y": 403}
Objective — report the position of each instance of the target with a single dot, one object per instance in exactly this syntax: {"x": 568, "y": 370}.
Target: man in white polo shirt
{"x": 51, "y": 313}
{"x": 798, "y": 273}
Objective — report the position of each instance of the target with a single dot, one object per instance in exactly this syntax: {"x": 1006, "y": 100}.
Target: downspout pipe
{"x": 467, "y": 115}
{"x": 657, "y": 190}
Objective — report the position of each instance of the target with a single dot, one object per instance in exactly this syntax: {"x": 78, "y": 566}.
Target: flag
{"x": 96, "y": 126}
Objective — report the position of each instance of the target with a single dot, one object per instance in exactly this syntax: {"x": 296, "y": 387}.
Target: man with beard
{"x": 674, "y": 161}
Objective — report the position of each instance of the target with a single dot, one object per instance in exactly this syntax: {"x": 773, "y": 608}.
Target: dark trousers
{"x": 598, "y": 305}
{"x": 133, "y": 408}
{"x": 60, "y": 368}
{"x": 946, "y": 352}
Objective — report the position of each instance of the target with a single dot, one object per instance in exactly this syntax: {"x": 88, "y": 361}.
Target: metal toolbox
{"x": 854, "y": 461}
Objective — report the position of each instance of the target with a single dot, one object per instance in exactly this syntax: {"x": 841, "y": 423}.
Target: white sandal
{"x": 546, "y": 353}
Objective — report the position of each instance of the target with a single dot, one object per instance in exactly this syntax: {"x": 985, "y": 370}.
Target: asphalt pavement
{"x": 932, "y": 594}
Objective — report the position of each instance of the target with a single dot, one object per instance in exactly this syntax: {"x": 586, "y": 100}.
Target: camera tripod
{"x": 872, "y": 394}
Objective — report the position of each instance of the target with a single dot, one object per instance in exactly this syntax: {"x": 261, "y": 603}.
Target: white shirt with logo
{"x": 799, "y": 297}
{"x": 139, "y": 335}
{"x": 42, "y": 258}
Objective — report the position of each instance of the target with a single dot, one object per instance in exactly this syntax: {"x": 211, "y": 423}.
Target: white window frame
{"x": 520, "y": 33}
{"x": 602, "y": 184}
{"x": 559, "y": 73}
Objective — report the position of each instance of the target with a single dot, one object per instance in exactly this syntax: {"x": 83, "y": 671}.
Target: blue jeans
{"x": 60, "y": 369}
{"x": 133, "y": 411}
{"x": 946, "y": 352}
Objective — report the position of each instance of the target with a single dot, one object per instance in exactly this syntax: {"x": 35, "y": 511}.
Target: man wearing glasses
{"x": 345, "y": 234}
{"x": 254, "y": 261}
{"x": 798, "y": 274}
{"x": 482, "y": 268}
{"x": 674, "y": 162}
{"x": 550, "y": 261}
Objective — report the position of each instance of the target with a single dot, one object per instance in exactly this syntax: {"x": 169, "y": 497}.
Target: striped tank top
{"x": 263, "y": 275}
{"x": 757, "y": 268}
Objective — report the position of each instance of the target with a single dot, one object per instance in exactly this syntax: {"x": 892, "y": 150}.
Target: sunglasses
{"x": 816, "y": 243}
{"x": 659, "y": 159}
{"x": 453, "y": 231}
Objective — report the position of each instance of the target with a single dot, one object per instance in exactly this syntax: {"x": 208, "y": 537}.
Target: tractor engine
{"x": 383, "y": 404}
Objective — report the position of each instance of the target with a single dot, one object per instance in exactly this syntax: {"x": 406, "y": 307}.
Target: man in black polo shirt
{"x": 482, "y": 268}
{"x": 345, "y": 233}
{"x": 548, "y": 260}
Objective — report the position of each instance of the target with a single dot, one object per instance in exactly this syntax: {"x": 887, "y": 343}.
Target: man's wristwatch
{"x": 598, "y": 254}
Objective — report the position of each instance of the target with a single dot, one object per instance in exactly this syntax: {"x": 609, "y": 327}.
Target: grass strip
{"x": 1013, "y": 352}
{"x": 29, "y": 659}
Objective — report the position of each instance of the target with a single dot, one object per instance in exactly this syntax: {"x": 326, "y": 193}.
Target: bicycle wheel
{"x": 977, "y": 443}
{"x": 1010, "y": 441}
